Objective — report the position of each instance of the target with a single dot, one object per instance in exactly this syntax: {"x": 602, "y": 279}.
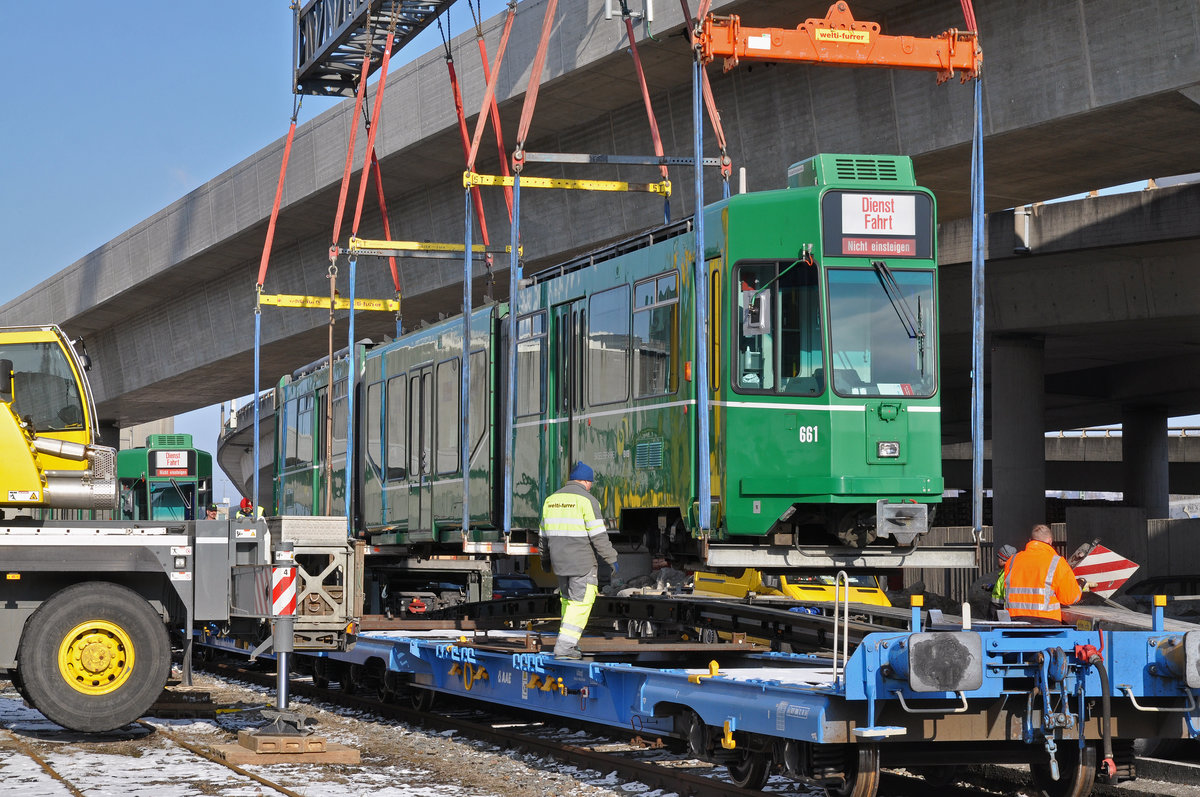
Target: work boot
{"x": 572, "y": 654}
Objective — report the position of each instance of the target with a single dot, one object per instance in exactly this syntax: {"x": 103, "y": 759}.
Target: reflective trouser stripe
{"x": 574, "y": 619}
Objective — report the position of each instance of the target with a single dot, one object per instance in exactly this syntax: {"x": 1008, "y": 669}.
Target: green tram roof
{"x": 819, "y": 171}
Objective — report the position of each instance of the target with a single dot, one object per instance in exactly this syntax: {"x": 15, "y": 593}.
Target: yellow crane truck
{"x": 92, "y": 611}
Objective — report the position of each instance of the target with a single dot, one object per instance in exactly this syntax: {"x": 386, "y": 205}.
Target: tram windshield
{"x": 779, "y": 328}
{"x": 44, "y": 386}
{"x": 882, "y": 332}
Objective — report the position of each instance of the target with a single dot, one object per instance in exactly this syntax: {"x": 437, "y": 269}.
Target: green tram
{"x": 823, "y": 375}
{"x": 167, "y": 479}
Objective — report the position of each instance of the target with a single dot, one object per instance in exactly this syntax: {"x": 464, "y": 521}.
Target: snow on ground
{"x": 398, "y": 760}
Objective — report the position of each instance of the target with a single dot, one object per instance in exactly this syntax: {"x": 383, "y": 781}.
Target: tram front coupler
{"x": 904, "y": 521}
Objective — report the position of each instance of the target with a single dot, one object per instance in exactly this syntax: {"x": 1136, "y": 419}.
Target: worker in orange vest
{"x": 1039, "y": 582}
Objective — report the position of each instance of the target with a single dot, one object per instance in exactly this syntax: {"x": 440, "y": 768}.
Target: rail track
{"x": 634, "y": 758}
{"x": 51, "y": 762}
{"x": 42, "y": 760}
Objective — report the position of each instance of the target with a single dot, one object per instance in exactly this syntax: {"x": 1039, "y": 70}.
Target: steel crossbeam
{"x": 330, "y": 38}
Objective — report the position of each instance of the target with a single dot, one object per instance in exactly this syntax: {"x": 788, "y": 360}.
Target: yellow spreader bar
{"x": 471, "y": 178}
{"x": 322, "y": 302}
{"x": 361, "y": 246}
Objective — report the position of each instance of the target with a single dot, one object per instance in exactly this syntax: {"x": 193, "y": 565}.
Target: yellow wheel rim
{"x": 96, "y": 657}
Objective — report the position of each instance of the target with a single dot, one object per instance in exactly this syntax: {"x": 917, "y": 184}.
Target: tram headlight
{"x": 887, "y": 449}
{"x": 940, "y": 661}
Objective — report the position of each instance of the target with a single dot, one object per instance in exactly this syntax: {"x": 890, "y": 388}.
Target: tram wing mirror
{"x": 6, "y": 379}
{"x": 756, "y": 313}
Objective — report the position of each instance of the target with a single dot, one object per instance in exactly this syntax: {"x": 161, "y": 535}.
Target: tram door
{"x": 420, "y": 448}
{"x": 566, "y": 386}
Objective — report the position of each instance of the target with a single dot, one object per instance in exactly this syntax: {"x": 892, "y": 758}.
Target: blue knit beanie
{"x": 582, "y": 473}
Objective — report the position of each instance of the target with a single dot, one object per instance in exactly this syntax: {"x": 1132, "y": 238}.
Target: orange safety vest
{"x": 1039, "y": 583}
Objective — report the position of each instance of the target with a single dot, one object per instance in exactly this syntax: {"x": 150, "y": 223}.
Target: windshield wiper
{"x": 914, "y": 326}
{"x": 187, "y": 505}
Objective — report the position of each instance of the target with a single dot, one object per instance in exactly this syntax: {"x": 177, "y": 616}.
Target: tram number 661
{"x": 808, "y": 434}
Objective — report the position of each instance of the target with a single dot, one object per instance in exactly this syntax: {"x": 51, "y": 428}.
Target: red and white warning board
{"x": 283, "y": 591}
{"x": 1106, "y": 569}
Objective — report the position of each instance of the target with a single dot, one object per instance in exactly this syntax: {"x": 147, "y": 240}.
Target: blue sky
{"x": 115, "y": 110}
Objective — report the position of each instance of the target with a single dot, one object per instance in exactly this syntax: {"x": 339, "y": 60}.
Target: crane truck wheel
{"x": 94, "y": 657}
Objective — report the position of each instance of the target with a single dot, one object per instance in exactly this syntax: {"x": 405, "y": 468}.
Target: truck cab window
{"x": 44, "y": 387}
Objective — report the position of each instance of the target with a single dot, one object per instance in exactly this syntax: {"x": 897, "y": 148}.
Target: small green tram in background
{"x": 823, "y": 378}
{"x": 167, "y": 479}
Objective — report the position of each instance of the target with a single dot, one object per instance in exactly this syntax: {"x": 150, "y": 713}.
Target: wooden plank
{"x": 334, "y": 754}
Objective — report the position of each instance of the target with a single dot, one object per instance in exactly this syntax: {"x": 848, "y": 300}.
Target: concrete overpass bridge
{"x": 1076, "y": 96}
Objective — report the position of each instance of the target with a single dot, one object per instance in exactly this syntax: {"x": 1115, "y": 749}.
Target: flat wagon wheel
{"x": 422, "y": 699}
{"x": 696, "y": 735}
{"x": 751, "y": 770}
{"x": 1076, "y": 772}
{"x": 94, "y": 657}
{"x": 862, "y": 773}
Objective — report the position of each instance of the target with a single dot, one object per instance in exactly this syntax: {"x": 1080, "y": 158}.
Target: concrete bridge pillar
{"x": 1018, "y": 438}
{"x": 1144, "y": 459}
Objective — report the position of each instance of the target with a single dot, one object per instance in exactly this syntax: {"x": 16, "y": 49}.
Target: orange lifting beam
{"x": 840, "y": 39}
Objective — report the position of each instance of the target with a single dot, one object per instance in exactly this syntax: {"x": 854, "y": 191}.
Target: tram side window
{"x": 304, "y": 430}
{"x": 779, "y": 336}
{"x": 447, "y": 403}
{"x": 339, "y": 417}
{"x": 756, "y": 340}
{"x": 414, "y": 426}
{"x": 312, "y": 427}
{"x": 714, "y": 327}
{"x": 395, "y": 429}
{"x": 608, "y": 346}
{"x": 531, "y": 364}
{"x": 374, "y": 429}
{"x": 479, "y": 402}
{"x": 655, "y": 324}
{"x": 291, "y": 432}
{"x": 800, "y": 361}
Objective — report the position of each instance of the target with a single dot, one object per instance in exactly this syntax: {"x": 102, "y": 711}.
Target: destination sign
{"x": 171, "y": 463}
{"x": 877, "y": 224}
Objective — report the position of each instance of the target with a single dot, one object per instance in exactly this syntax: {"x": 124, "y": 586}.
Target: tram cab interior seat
{"x": 847, "y": 379}
{"x": 804, "y": 385}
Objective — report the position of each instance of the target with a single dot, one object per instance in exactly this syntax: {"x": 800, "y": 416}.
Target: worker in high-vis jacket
{"x": 1003, "y": 557}
{"x": 571, "y": 537}
{"x": 1039, "y": 582}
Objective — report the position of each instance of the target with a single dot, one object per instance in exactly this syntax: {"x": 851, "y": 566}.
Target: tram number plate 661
{"x": 809, "y": 434}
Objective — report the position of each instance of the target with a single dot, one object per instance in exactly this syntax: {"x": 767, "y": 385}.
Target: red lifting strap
{"x": 362, "y": 183}
{"x": 637, "y": 62}
{"x": 535, "y": 76}
{"x": 266, "y": 253}
{"x": 494, "y": 112}
{"x": 710, "y": 104}
{"x": 969, "y": 15}
{"x": 358, "y": 102}
{"x": 489, "y": 96}
{"x": 476, "y": 196}
{"x": 387, "y": 227}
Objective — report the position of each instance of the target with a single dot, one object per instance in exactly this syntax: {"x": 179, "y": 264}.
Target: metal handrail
{"x": 841, "y": 586}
